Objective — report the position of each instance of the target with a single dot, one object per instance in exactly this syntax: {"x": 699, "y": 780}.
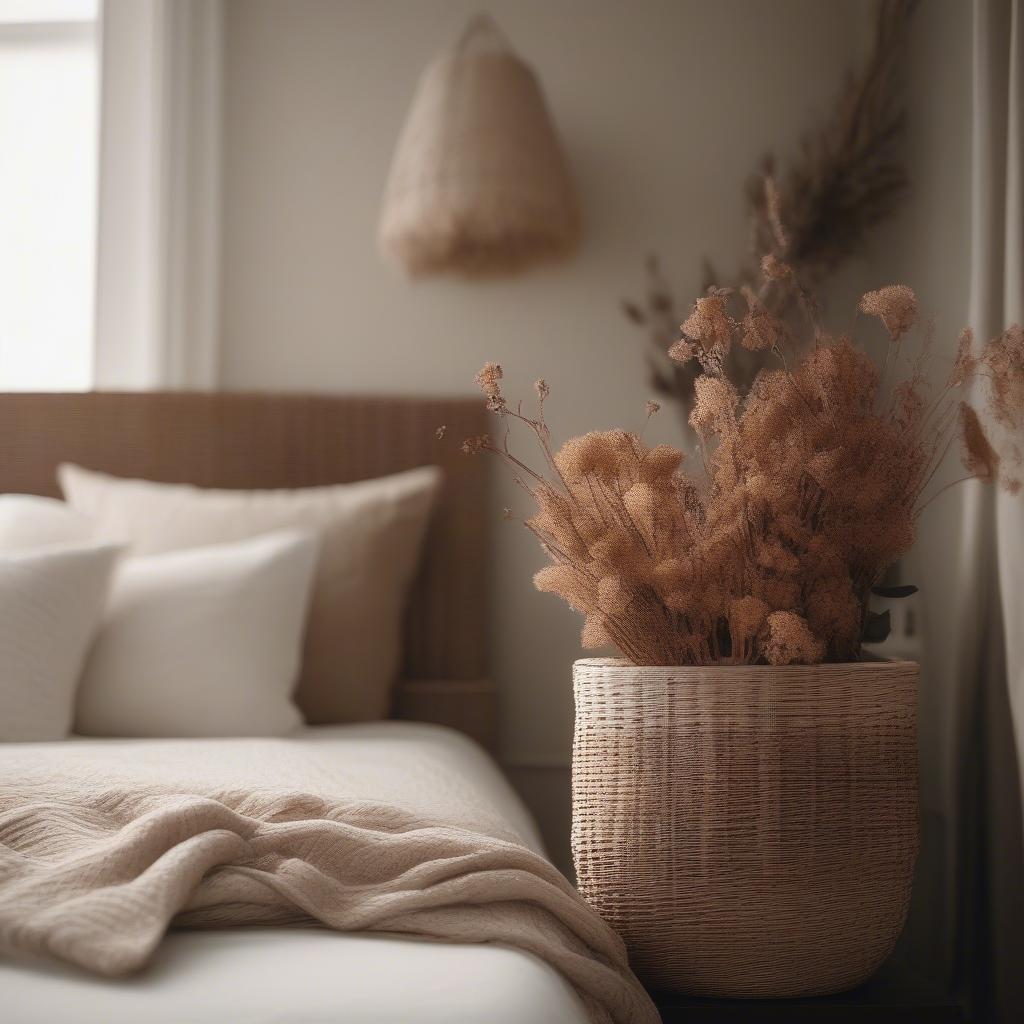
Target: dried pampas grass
{"x": 811, "y": 216}
{"x": 811, "y": 484}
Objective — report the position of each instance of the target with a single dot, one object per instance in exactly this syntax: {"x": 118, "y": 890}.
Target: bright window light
{"x": 48, "y": 188}
{"x": 35, "y": 11}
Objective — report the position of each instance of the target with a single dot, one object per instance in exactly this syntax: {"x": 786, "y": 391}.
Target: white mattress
{"x": 310, "y": 975}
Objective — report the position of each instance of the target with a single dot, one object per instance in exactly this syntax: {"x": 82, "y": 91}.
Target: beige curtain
{"x": 158, "y": 230}
{"x": 989, "y": 868}
{"x": 1009, "y": 33}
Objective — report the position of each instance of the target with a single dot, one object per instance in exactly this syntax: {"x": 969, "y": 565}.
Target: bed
{"x": 213, "y": 976}
{"x": 243, "y": 441}
{"x": 444, "y": 717}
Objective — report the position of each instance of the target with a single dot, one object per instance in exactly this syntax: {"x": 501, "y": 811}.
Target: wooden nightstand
{"x": 893, "y": 996}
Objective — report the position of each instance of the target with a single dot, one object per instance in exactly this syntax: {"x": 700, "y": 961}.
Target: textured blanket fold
{"x": 99, "y": 854}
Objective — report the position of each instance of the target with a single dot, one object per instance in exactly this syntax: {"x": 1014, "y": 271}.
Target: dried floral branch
{"x": 813, "y": 484}
{"x": 817, "y": 214}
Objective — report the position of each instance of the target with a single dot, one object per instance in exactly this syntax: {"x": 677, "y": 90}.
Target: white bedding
{"x": 311, "y": 975}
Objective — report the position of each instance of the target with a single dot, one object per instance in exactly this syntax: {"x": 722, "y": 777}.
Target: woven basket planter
{"x": 749, "y": 831}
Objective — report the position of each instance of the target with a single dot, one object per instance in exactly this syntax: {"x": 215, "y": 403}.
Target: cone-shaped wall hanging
{"x": 479, "y": 183}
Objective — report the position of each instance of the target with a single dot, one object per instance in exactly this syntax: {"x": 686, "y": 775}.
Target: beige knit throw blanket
{"x": 100, "y": 852}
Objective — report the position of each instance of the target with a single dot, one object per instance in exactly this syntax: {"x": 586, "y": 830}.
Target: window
{"x": 48, "y": 192}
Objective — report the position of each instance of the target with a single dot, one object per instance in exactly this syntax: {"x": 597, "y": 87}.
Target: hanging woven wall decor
{"x": 479, "y": 183}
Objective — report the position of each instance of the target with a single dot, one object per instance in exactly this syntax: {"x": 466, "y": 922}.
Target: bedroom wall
{"x": 927, "y": 245}
{"x": 654, "y": 103}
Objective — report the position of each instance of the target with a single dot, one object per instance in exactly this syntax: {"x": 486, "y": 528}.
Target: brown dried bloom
{"x": 475, "y": 445}
{"x": 613, "y": 595}
{"x": 488, "y": 379}
{"x": 812, "y": 485}
{"x": 1003, "y": 359}
{"x": 570, "y": 584}
{"x": 594, "y": 635}
{"x": 714, "y": 406}
{"x": 440, "y": 432}
{"x": 895, "y": 305}
{"x": 790, "y": 641}
{"x": 746, "y": 617}
{"x": 652, "y": 407}
{"x": 542, "y": 389}
{"x": 709, "y": 323}
{"x": 775, "y": 269}
{"x": 761, "y": 330}
{"x": 682, "y": 351}
{"x": 980, "y": 458}
{"x": 965, "y": 364}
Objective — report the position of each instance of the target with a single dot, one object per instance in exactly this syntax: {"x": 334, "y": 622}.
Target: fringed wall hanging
{"x": 479, "y": 183}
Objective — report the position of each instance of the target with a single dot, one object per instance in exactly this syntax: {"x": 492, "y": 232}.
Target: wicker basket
{"x": 748, "y": 831}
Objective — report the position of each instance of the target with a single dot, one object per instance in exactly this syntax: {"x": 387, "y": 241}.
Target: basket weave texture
{"x": 479, "y": 183}
{"x": 749, "y": 831}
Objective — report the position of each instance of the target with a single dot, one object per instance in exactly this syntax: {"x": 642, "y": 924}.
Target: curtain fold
{"x": 159, "y": 218}
{"x": 1009, "y": 510}
{"x": 989, "y": 940}
{"x": 997, "y": 277}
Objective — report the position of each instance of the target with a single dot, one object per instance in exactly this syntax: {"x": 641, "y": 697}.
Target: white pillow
{"x": 51, "y": 602}
{"x": 371, "y": 534}
{"x": 204, "y": 642}
{"x": 30, "y": 521}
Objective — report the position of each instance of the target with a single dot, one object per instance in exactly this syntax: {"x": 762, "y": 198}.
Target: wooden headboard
{"x": 270, "y": 441}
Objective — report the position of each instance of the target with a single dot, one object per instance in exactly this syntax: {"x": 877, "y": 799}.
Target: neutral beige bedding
{"x": 369, "y": 534}
{"x": 102, "y": 845}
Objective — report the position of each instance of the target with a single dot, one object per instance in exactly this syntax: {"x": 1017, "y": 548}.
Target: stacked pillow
{"x": 175, "y": 611}
{"x": 371, "y": 534}
{"x": 201, "y": 643}
{"x": 51, "y": 602}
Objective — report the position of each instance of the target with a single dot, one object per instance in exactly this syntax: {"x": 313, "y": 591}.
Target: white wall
{"x": 664, "y": 107}
{"x": 929, "y": 247}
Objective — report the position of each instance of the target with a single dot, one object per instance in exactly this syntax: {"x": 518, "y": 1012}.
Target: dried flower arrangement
{"x": 812, "y": 484}
{"x": 847, "y": 178}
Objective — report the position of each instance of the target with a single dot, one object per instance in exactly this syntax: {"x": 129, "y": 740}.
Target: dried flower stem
{"x": 847, "y": 178}
{"x": 813, "y": 485}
